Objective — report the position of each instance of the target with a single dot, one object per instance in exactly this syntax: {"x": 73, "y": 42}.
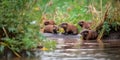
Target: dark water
{"x": 72, "y": 48}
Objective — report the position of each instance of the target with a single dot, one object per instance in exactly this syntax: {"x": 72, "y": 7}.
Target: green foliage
{"x": 1, "y": 49}
{"x": 15, "y": 23}
{"x": 106, "y": 26}
{"x": 19, "y": 28}
{"x": 71, "y": 11}
{"x": 49, "y": 43}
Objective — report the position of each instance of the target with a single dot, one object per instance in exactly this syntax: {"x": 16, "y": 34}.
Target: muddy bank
{"x": 113, "y": 35}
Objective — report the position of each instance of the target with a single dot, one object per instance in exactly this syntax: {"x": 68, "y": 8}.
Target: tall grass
{"x": 105, "y": 17}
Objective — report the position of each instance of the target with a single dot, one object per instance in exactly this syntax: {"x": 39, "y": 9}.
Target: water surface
{"x": 70, "y": 47}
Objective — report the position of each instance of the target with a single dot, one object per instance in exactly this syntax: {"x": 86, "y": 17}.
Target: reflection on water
{"x": 70, "y": 48}
{"x": 75, "y": 54}
{"x": 81, "y": 54}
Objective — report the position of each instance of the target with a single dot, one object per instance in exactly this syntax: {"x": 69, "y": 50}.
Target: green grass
{"x": 71, "y": 11}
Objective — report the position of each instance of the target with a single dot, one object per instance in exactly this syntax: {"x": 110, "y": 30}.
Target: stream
{"x": 70, "y": 47}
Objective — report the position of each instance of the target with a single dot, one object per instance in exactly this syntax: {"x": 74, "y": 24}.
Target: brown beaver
{"x": 85, "y": 25}
{"x": 69, "y": 28}
{"x": 89, "y": 34}
{"x": 49, "y": 22}
{"x": 51, "y": 29}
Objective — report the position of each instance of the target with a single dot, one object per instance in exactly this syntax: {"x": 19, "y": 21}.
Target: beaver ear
{"x": 81, "y": 23}
{"x": 66, "y": 23}
{"x": 46, "y": 23}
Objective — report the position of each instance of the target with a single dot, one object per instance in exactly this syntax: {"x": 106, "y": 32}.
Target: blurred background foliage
{"x": 21, "y": 20}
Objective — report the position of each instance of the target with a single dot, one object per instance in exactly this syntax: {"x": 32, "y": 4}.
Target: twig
{"x": 2, "y": 43}
{"x": 5, "y": 31}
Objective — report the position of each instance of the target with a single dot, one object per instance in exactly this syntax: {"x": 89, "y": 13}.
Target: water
{"x": 72, "y": 48}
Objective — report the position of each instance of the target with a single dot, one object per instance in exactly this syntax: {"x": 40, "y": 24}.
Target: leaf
{"x": 2, "y": 48}
{"x": 44, "y": 49}
{"x": 28, "y": 53}
{"x": 61, "y": 30}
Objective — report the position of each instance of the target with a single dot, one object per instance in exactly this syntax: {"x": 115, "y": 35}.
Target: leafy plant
{"x": 19, "y": 29}
{"x": 107, "y": 27}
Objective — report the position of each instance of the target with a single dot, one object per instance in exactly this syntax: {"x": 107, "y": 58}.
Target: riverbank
{"x": 113, "y": 35}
